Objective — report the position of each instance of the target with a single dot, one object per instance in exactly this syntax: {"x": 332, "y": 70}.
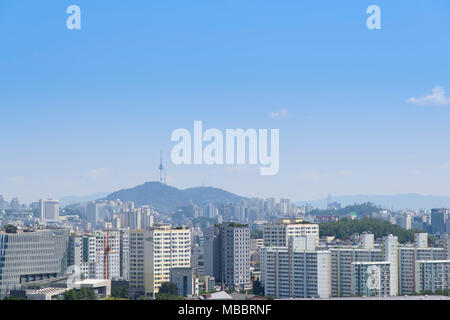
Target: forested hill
{"x": 380, "y": 228}
{"x": 165, "y": 198}
{"x": 364, "y": 209}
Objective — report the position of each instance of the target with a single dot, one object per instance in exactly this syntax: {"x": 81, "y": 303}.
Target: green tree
{"x": 120, "y": 292}
{"x": 80, "y": 294}
{"x": 167, "y": 296}
{"x": 347, "y": 227}
{"x": 258, "y": 289}
{"x": 14, "y": 298}
{"x": 168, "y": 288}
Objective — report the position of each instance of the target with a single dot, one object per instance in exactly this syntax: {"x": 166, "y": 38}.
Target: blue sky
{"x": 85, "y": 111}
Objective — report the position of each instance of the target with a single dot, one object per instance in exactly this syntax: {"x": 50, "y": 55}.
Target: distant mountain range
{"x": 398, "y": 201}
{"x": 65, "y": 201}
{"x": 165, "y": 198}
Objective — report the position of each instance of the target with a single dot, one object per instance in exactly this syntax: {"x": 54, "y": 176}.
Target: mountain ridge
{"x": 166, "y": 198}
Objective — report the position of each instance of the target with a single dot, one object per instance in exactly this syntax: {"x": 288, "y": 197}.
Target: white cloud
{"x": 283, "y": 113}
{"x": 436, "y": 98}
{"x": 96, "y": 174}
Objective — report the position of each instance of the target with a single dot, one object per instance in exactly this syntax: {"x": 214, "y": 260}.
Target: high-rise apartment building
{"x": 371, "y": 279}
{"x": 97, "y": 255}
{"x": 432, "y": 275}
{"x": 297, "y": 270}
{"x": 421, "y": 240}
{"x": 367, "y": 241}
{"x": 341, "y": 266}
{"x": 390, "y": 254}
{"x": 408, "y": 256}
{"x": 153, "y": 253}
{"x": 278, "y": 234}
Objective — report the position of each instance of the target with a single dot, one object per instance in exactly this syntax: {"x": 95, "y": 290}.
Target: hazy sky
{"x": 359, "y": 111}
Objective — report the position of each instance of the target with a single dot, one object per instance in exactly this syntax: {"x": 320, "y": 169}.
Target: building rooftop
{"x": 50, "y": 290}
{"x": 221, "y": 295}
{"x": 91, "y": 282}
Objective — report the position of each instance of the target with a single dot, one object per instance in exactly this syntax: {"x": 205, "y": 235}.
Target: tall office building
{"x": 297, "y": 270}
{"x": 152, "y": 255}
{"x": 209, "y": 210}
{"x": 438, "y": 220}
{"x": 15, "y": 204}
{"x": 49, "y": 210}
{"x": 92, "y": 214}
{"x": 277, "y": 234}
{"x": 404, "y": 221}
{"x": 285, "y": 207}
{"x": 31, "y": 256}
{"x": 227, "y": 255}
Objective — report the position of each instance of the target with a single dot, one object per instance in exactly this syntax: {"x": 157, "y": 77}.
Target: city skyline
{"x": 359, "y": 111}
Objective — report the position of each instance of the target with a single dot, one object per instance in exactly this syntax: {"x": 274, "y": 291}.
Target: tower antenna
{"x": 161, "y": 169}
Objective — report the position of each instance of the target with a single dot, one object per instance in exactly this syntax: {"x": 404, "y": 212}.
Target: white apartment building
{"x": 408, "y": 256}
{"x": 432, "y": 275}
{"x": 97, "y": 255}
{"x": 341, "y": 267}
{"x": 367, "y": 240}
{"x": 295, "y": 270}
{"x": 364, "y": 283}
{"x": 421, "y": 240}
{"x": 152, "y": 255}
{"x": 277, "y": 234}
{"x": 390, "y": 254}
